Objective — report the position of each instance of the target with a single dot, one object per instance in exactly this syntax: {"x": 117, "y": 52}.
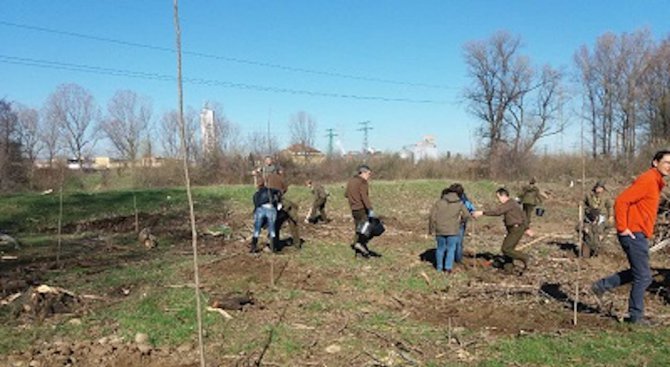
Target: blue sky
{"x": 370, "y": 45}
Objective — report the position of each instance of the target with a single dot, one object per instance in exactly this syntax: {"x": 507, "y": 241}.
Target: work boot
{"x": 254, "y": 245}
{"x": 274, "y": 245}
{"x": 598, "y": 293}
{"x": 360, "y": 249}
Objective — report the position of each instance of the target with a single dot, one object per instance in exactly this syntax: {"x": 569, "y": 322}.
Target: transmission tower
{"x": 331, "y": 134}
{"x": 365, "y": 127}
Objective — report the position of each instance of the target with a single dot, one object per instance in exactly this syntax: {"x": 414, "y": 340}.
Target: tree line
{"x": 619, "y": 88}
{"x": 70, "y": 124}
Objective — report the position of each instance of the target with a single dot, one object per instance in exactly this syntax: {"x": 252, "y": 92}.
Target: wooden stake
{"x": 272, "y": 272}
{"x": 60, "y": 224}
{"x": 187, "y": 179}
{"x": 580, "y": 244}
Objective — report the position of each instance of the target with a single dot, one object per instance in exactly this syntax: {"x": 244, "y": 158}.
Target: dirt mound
{"x": 119, "y": 224}
{"x": 41, "y": 302}
{"x": 107, "y": 351}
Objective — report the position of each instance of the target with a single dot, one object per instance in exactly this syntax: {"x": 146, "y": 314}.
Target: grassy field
{"x": 316, "y": 306}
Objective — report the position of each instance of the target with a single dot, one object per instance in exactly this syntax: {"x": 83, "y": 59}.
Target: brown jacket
{"x": 446, "y": 215}
{"x": 276, "y": 181}
{"x": 357, "y": 194}
{"x": 513, "y": 215}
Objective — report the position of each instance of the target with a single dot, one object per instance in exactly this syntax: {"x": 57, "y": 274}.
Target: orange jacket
{"x": 636, "y": 207}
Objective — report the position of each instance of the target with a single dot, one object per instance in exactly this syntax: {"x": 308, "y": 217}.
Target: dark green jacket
{"x": 530, "y": 194}
{"x": 319, "y": 192}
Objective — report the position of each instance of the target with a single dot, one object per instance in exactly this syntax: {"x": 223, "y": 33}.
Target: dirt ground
{"x": 478, "y": 304}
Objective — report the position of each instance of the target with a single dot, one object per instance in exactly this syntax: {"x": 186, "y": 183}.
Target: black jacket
{"x": 266, "y": 195}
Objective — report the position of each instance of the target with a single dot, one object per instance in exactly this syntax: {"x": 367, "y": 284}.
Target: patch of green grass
{"x": 637, "y": 347}
{"x": 168, "y": 316}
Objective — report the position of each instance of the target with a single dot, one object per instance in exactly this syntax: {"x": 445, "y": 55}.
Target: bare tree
{"x": 169, "y": 133}
{"x": 257, "y": 144}
{"x": 128, "y": 117}
{"x": 227, "y": 133}
{"x": 517, "y": 105}
{"x": 11, "y": 166}
{"x": 588, "y": 78}
{"x": 613, "y": 78}
{"x": 73, "y": 108}
{"x": 656, "y": 95}
{"x": 303, "y": 129}
{"x": 50, "y": 137}
{"x": 29, "y": 132}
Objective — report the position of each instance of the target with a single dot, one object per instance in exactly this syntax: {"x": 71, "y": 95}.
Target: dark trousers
{"x": 318, "y": 210}
{"x": 528, "y": 209}
{"x": 514, "y": 234}
{"x": 637, "y": 251}
{"x": 288, "y": 213}
{"x": 360, "y": 217}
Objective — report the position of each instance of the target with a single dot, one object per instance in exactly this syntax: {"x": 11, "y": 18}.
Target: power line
{"x": 365, "y": 128}
{"x": 331, "y": 134}
{"x": 225, "y": 58}
{"x": 48, "y": 64}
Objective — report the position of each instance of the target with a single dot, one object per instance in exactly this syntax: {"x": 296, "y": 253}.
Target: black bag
{"x": 372, "y": 228}
{"x": 539, "y": 211}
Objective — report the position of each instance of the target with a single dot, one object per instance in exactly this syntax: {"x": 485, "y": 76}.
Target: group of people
{"x": 272, "y": 209}
{"x": 634, "y": 216}
{"x": 450, "y": 214}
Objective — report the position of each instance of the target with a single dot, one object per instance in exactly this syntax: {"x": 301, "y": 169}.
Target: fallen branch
{"x": 9, "y": 299}
{"x": 659, "y": 246}
{"x": 544, "y": 237}
{"x": 425, "y": 277}
{"x": 220, "y": 311}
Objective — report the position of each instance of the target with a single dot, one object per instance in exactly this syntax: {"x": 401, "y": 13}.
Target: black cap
{"x": 363, "y": 168}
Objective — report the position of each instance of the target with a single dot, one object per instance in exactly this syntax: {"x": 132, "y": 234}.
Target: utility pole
{"x": 331, "y": 134}
{"x": 365, "y": 127}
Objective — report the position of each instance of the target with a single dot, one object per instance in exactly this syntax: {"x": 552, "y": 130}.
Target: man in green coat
{"x": 530, "y": 197}
{"x": 597, "y": 216}
{"x": 515, "y": 223}
{"x": 318, "y": 210}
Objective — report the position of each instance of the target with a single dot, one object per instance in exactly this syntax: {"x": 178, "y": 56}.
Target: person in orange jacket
{"x": 635, "y": 215}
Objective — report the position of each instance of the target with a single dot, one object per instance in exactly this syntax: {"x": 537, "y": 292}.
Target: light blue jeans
{"x": 445, "y": 245}
{"x": 262, "y": 213}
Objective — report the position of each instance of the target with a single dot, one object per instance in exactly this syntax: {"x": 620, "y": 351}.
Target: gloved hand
{"x": 372, "y": 214}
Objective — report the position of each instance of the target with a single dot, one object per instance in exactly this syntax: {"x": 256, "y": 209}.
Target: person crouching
{"x": 265, "y": 212}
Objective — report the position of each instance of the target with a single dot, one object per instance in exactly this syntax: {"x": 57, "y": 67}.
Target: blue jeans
{"x": 637, "y": 251}
{"x": 445, "y": 244}
{"x": 260, "y": 215}
{"x": 458, "y": 257}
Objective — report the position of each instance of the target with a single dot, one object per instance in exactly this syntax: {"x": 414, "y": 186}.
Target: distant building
{"x": 301, "y": 154}
{"x": 425, "y": 149}
{"x": 208, "y": 131}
